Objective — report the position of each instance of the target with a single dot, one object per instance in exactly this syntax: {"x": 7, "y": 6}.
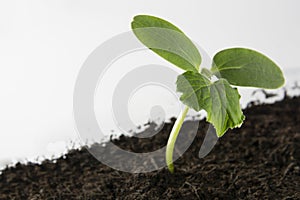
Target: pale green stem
{"x": 172, "y": 138}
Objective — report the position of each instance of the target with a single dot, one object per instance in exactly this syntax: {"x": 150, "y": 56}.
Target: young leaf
{"x": 167, "y": 40}
{"x": 218, "y": 99}
{"x": 246, "y": 67}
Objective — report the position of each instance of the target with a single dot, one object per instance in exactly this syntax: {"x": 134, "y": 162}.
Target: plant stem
{"x": 172, "y": 138}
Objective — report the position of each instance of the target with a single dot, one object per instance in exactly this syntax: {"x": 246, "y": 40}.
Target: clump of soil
{"x": 261, "y": 160}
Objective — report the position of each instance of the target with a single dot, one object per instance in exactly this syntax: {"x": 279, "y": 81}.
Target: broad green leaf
{"x": 218, "y": 99}
{"x": 246, "y": 67}
{"x": 167, "y": 40}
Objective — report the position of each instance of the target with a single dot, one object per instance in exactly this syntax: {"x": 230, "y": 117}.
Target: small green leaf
{"x": 206, "y": 72}
{"x": 195, "y": 90}
{"x": 218, "y": 99}
{"x": 167, "y": 40}
{"x": 246, "y": 67}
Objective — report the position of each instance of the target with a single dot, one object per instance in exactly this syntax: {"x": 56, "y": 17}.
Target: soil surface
{"x": 261, "y": 160}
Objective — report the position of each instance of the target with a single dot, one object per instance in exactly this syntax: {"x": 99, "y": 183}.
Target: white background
{"x": 44, "y": 43}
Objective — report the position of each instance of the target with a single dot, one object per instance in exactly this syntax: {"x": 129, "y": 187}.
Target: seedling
{"x": 234, "y": 66}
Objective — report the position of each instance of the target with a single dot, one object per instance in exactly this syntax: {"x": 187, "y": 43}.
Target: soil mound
{"x": 261, "y": 160}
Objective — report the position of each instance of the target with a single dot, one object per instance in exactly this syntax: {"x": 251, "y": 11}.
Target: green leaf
{"x": 246, "y": 67}
{"x": 206, "y": 72}
{"x": 167, "y": 40}
{"x": 218, "y": 99}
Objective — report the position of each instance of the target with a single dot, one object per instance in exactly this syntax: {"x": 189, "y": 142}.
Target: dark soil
{"x": 261, "y": 160}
